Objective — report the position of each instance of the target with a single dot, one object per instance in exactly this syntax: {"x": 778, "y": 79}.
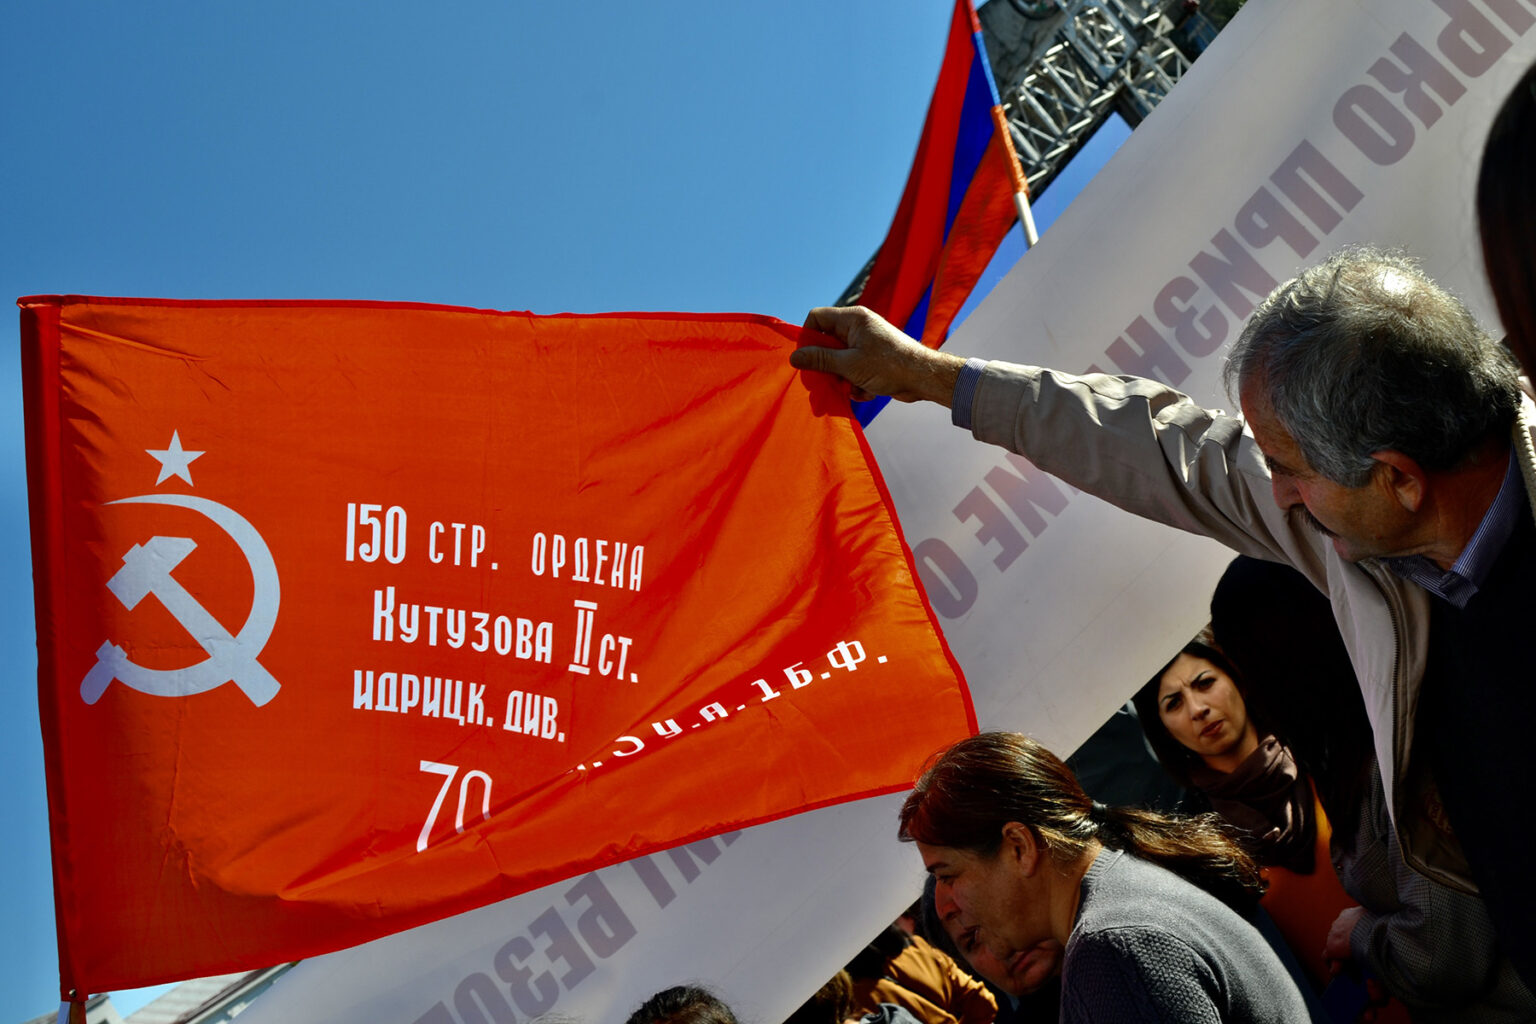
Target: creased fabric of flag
{"x": 958, "y": 203}
{"x": 355, "y": 615}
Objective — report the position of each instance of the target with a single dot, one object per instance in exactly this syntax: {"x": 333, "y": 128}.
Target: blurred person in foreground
{"x": 683, "y": 1004}
{"x": 1506, "y": 216}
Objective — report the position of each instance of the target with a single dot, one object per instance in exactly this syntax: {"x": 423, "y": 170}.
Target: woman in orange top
{"x": 1200, "y": 726}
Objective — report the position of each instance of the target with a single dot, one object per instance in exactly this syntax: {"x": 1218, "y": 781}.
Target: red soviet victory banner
{"x": 355, "y": 615}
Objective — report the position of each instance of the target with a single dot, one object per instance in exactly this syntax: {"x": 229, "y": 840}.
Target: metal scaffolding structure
{"x": 1063, "y": 66}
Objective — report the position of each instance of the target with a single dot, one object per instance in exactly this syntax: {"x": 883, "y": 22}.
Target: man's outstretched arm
{"x": 1136, "y": 443}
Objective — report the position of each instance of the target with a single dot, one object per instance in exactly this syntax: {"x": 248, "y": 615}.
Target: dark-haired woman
{"x": 1142, "y": 903}
{"x": 1202, "y": 728}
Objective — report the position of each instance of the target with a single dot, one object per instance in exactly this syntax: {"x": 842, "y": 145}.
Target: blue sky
{"x": 553, "y": 157}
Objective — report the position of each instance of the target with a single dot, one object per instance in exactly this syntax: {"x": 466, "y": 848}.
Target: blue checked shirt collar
{"x": 1471, "y": 568}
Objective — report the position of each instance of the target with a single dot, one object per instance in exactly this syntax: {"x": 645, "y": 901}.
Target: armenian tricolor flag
{"x": 964, "y": 193}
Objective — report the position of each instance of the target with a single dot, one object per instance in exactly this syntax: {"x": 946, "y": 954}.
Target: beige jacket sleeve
{"x": 1149, "y": 450}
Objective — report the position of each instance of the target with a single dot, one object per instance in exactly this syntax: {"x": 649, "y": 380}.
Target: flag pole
{"x": 1005, "y": 132}
{"x": 1020, "y": 183}
{"x": 1026, "y": 218}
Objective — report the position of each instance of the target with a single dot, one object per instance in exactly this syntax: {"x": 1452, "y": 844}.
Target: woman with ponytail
{"x": 1148, "y": 907}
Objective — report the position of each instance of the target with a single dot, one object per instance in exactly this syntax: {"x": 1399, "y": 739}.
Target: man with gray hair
{"x": 1396, "y": 447}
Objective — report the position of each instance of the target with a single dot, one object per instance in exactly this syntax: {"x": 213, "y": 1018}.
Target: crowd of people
{"x": 1346, "y": 736}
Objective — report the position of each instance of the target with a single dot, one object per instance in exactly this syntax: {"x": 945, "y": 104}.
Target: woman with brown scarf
{"x": 1206, "y": 735}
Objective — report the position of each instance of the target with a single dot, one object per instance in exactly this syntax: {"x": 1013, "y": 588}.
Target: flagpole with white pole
{"x": 1026, "y": 218}
{"x": 1020, "y": 183}
{"x": 1000, "y": 121}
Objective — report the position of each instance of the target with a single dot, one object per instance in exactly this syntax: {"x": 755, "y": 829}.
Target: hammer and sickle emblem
{"x": 147, "y": 569}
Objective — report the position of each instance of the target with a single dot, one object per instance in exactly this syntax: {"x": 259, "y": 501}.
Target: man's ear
{"x": 1021, "y": 845}
{"x": 1402, "y": 477}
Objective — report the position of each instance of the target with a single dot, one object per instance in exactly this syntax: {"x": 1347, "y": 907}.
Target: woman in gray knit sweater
{"x": 1142, "y": 902}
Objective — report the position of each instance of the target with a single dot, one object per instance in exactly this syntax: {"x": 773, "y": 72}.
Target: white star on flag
{"x": 174, "y": 461}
